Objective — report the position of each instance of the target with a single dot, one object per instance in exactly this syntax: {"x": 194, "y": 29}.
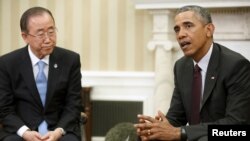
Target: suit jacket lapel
{"x": 212, "y": 74}
{"x": 53, "y": 75}
{"x": 28, "y": 75}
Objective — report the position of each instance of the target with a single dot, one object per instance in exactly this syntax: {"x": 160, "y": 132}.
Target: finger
{"x": 158, "y": 118}
{"x": 152, "y": 137}
{"x": 146, "y": 125}
{"x": 140, "y": 125}
{"x": 146, "y": 132}
{"x": 144, "y": 138}
{"x": 142, "y": 121}
{"x": 146, "y": 118}
{"x": 138, "y": 128}
{"x": 138, "y": 131}
{"x": 46, "y": 136}
{"x": 37, "y": 135}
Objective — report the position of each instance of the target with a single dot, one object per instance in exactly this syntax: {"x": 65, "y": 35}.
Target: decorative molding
{"x": 121, "y": 86}
{"x": 166, "y": 45}
{"x": 174, "y": 4}
{"x": 231, "y": 24}
{"x": 226, "y": 15}
{"x": 160, "y": 23}
{"x": 98, "y": 139}
{"x": 162, "y": 30}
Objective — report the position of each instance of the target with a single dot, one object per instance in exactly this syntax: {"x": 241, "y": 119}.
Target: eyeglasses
{"x": 42, "y": 35}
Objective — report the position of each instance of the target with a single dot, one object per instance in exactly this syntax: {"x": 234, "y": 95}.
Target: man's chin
{"x": 45, "y": 53}
{"x": 188, "y": 53}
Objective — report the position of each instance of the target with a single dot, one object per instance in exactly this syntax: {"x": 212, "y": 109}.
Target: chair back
{"x": 124, "y": 131}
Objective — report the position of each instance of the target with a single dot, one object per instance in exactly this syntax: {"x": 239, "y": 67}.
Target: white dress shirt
{"x": 203, "y": 64}
{"x": 34, "y": 61}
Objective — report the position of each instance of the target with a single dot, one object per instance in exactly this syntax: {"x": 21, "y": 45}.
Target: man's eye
{"x": 40, "y": 34}
{"x": 176, "y": 30}
{"x": 188, "y": 26}
{"x": 51, "y": 31}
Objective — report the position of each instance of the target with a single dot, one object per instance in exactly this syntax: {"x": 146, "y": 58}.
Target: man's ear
{"x": 210, "y": 29}
{"x": 25, "y": 37}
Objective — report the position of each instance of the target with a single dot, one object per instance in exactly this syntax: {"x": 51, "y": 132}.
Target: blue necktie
{"x": 41, "y": 83}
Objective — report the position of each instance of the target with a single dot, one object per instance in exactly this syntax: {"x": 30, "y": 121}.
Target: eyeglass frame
{"x": 42, "y": 36}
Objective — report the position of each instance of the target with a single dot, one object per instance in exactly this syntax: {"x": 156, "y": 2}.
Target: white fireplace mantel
{"x": 174, "y": 4}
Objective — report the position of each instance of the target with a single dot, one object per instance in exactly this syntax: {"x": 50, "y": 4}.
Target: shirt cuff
{"x": 21, "y": 130}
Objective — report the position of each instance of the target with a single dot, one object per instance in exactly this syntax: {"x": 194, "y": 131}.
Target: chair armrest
{"x": 83, "y": 118}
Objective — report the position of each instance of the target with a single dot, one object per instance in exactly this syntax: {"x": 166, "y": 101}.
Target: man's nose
{"x": 181, "y": 34}
{"x": 47, "y": 37}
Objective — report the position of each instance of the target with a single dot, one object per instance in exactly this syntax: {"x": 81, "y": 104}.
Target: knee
{"x": 12, "y": 138}
{"x": 69, "y": 137}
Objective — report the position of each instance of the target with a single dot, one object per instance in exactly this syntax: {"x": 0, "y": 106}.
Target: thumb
{"x": 162, "y": 116}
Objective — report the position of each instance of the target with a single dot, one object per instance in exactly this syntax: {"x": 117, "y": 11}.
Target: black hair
{"x": 34, "y": 11}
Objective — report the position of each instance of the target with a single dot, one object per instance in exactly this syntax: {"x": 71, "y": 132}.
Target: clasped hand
{"x": 35, "y": 136}
{"x": 157, "y": 128}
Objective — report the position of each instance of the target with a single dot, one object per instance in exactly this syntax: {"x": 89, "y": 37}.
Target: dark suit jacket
{"x": 226, "y": 98}
{"x": 20, "y": 102}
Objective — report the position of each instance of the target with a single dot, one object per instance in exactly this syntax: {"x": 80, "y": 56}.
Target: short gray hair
{"x": 199, "y": 11}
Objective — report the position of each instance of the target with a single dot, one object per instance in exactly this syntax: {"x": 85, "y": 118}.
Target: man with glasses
{"x": 40, "y": 85}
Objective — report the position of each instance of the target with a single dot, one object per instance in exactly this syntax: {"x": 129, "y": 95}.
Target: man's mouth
{"x": 184, "y": 44}
{"x": 46, "y": 47}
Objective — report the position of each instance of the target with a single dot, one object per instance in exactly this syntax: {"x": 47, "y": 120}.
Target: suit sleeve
{"x": 8, "y": 117}
{"x": 71, "y": 112}
{"x": 176, "y": 113}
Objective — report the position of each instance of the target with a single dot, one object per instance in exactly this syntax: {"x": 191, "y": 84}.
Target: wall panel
{"x": 6, "y": 45}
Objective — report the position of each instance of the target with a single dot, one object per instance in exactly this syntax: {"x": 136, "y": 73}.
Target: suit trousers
{"x": 67, "y": 137}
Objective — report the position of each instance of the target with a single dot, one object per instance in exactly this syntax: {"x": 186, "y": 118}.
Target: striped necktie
{"x": 196, "y": 95}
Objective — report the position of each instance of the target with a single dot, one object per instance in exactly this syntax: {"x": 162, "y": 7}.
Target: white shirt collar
{"x": 34, "y": 59}
{"x": 203, "y": 63}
